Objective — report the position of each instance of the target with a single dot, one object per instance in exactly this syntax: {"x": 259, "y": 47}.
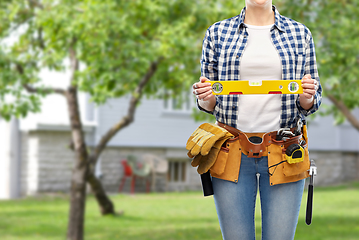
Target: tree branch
{"x": 31, "y": 89}
{"x": 34, "y": 3}
{"x": 47, "y": 90}
{"x": 346, "y": 111}
{"x": 41, "y": 39}
{"x": 126, "y": 120}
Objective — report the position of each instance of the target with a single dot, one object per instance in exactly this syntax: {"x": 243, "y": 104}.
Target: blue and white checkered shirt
{"x": 223, "y": 47}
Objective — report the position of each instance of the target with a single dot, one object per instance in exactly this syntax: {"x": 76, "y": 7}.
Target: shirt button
{"x": 237, "y": 56}
{"x": 233, "y": 107}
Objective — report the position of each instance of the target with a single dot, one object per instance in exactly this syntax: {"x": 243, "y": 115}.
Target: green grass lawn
{"x": 170, "y": 216}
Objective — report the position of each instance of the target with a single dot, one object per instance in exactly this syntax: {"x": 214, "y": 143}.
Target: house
{"x": 39, "y": 160}
{"x": 46, "y": 160}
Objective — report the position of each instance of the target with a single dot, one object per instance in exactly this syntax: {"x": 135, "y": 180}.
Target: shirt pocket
{"x": 228, "y": 60}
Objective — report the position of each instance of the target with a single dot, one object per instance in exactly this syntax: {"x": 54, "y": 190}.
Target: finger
{"x": 200, "y": 86}
{"x": 204, "y": 94}
{"x": 202, "y": 79}
{"x": 197, "y": 159}
{"x": 308, "y": 93}
{"x": 202, "y": 90}
{"x": 307, "y": 76}
{"x": 207, "y": 95}
{"x": 313, "y": 84}
{"x": 309, "y": 83}
{"x": 309, "y": 86}
{"x": 307, "y": 79}
{"x": 204, "y": 97}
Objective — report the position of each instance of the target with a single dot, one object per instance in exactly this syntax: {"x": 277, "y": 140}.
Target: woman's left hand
{"x": 310, "y": 87}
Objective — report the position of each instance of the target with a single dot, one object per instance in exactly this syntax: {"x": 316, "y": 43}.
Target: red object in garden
{"x": 133, "y": 170}
{"x": 127, "y": 172}
{"x": 127, "y": 168}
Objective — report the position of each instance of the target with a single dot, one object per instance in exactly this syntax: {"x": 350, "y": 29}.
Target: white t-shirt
{"x": 260, "y": 61}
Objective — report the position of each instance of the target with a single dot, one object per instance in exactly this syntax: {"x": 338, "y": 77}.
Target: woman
{"x": 258, "y": 44}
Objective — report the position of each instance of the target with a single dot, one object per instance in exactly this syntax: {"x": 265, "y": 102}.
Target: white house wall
{"x": 10, "y": 160}
{"x": 153, "y": 126}
{"x": 325, "y": 136}
{"x": 5, "y": 159}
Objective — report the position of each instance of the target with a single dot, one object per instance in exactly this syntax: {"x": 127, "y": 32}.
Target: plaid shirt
{"x": 223, "y": 47}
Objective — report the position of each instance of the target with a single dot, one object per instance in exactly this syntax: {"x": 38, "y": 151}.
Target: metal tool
{"x": 284, "y": 134}
{"x": 312, "y": 173}
{"x": 300, "y": 124}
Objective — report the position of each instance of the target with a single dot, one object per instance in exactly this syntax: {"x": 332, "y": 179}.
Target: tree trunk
{"x": 75, "y": 230}
{"x": 105, "y": 204}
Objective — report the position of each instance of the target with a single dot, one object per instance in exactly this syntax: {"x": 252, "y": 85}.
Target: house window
{"x": 177, "y": 171}
{"x": 184, "y": 104}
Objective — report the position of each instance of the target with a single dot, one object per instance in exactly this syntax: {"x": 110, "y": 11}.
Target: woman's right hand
{"x": 203, "y": 90}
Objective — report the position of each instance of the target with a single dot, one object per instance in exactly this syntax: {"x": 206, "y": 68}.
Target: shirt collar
{"x": 278, "y": 19}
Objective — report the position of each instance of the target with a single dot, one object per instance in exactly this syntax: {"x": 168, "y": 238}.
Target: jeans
{"x": 235, "y": 203}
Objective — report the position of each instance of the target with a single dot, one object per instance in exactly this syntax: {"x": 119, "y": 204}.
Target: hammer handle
{"x": 308, "y": 216}
{"x": 207, "y": 184}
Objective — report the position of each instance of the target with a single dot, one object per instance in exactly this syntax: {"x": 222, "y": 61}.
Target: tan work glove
{"x": 205, "y": 162}
{"x": 203, "y": 138}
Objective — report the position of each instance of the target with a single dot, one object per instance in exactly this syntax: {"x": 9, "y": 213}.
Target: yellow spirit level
{"x": 256, "y": 87}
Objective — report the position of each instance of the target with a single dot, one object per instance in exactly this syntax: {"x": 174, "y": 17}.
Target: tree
{"x": 333, "y": 24}
{"x": 111, "y": 48}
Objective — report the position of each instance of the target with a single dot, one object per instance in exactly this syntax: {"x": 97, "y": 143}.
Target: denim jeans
{"x": 235, "y": 203}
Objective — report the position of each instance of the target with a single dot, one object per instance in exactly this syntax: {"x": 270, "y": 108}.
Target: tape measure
{"x": 256, "y": 87}
{"x": 294, "y": 154}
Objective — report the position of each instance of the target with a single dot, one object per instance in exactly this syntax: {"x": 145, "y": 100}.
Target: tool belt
{"x": 255, "y": 145}
{"x": 218, "y": 148}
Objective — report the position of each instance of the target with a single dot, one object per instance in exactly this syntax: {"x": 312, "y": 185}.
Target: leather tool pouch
{"x": 253, "y": 149}
{"x": 297, "y": 168}
{"x": 281, "y": 171}
{"x": 228, "y": 161}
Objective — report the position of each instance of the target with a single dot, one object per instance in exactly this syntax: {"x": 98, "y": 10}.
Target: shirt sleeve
{"x": 312, "y": 69}
{"x": 209, "y": 67}
{"x": 209, "y": 58}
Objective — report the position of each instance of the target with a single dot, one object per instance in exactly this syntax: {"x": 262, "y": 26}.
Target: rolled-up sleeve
{"x": 209, "y": 67}
{"x": 312, "y": 69}
{"x": 209, "y": 58}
